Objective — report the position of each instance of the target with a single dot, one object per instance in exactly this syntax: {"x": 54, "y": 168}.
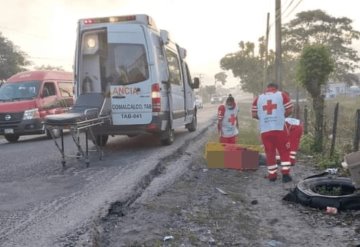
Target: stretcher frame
{"x": 85, "y": 124}
{"x": 75, "y": 130}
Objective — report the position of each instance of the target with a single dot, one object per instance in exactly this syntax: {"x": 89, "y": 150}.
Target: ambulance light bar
{"x": 145, "y": 19}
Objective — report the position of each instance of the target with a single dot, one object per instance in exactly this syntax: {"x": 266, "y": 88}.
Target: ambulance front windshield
{"x": 126, "y": 64}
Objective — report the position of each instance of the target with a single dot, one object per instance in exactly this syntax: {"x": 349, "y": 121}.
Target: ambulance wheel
{"x": 101, "y": 140}
{"x": 167, "y": 137}
{"x": 55, "y": 132}
{"x": 193, "y": 125}
{"x": 12, "y": 138}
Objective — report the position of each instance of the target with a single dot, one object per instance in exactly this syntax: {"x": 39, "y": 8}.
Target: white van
{"x": 141, "y": 72}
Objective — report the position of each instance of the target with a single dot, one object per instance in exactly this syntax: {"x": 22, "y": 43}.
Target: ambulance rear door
{"x": 128, "y": 73}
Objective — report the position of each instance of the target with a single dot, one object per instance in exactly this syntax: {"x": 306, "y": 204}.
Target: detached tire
{"x": 12, "y": 138}
{"x": 306, "y": 193}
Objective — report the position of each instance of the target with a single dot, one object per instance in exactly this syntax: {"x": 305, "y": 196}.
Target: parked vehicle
{"x": 28, "y": 97}
{"x": 216, "y": 100}
{"x": 142, "y": 72}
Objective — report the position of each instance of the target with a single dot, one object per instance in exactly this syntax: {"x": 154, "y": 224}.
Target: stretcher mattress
{"x": 86, "y": 107}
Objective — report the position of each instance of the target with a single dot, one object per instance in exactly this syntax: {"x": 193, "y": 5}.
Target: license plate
{"x": 9, "y": 131}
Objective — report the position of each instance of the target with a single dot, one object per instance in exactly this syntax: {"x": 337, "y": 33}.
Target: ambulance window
{"x": 126, "y": 64}
{"x": 188, "y": 76}
{"x": 174, "y": 68}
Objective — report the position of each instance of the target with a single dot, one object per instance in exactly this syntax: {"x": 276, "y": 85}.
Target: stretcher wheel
{"x": 55, "y": 133}
{"x": 101, "y": 140}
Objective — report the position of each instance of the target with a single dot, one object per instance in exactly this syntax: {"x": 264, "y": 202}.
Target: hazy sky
{"x": 208, "y": 29}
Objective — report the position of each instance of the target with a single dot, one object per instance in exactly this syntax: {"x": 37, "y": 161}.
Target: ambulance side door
{"x": 176, "y": 85}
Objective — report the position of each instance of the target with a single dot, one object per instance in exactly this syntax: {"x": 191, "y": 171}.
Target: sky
{"x": 208, "y": 29}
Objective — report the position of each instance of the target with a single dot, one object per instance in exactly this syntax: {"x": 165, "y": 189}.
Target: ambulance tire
{"x": 55, "y": 131}
{"x": 305, "y": 194}
{"x": 193, "y": 125}
{"x": 167, "y": 137}
{"x": 12, "y": 138}
{"x": 101, "y": 140}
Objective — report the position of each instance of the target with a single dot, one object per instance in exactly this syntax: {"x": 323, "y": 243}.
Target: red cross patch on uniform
{"x": 269, "y": 107}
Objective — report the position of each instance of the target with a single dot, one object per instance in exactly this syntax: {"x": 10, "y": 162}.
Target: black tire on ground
{"x": 306, "y": 193}
{"x": 167, "y": 137}
{"x": 55, "y": 131}
{"x": 193, "y": 125}
{"x": 12, "y": 138}
{"x": 101, "y": 140}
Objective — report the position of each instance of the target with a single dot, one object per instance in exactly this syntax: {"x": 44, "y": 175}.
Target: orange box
{"x": 214, "y": 155}
{"x": 237, "y": 157}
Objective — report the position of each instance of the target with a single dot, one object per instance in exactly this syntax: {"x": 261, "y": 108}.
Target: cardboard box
{"x": 237, "y": 157}
{"x": 214, "y": 155}
{"x": 353, "y": 162}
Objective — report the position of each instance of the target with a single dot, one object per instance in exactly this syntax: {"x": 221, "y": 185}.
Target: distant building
{"x": 341, "y": 88}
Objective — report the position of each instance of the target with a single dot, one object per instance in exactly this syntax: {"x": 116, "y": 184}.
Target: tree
{"x": 221, "y": 77}
{"x": 317, "y": 27}
{"x": 248, "y": 65}
{"x": 12, "y": 60}
{"x": 313, "y": 70}
{"x": 49, "y": 67}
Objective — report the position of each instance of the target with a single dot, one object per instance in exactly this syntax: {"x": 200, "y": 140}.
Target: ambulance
{"x": 142, "y": 74}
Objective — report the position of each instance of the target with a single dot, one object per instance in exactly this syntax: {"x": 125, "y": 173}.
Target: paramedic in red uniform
{"x": 294, "y": 130}
{"x": 228, "y": 121}
{"x": 271, "y": 108}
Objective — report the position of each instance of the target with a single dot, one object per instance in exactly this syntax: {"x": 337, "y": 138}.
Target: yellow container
{"x": 214, "y": 155}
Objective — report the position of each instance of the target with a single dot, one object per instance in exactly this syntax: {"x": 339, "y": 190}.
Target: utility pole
{"x": 266, "y": 52}
{"x": 278, "y": 62}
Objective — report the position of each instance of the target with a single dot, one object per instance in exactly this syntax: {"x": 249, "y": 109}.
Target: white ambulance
{"x": 142, "y": 74}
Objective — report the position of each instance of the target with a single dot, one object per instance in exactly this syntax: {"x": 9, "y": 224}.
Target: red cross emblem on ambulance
{"x": 269, "y": 107}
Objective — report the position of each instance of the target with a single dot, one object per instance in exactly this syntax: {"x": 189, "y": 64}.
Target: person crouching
{"x": 228, "y": 124}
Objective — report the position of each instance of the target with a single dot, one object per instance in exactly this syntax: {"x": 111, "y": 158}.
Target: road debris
{"x": 221, "y": 191}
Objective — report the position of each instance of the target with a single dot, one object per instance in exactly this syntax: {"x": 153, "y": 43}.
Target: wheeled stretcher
{"x": 87, "y": 112}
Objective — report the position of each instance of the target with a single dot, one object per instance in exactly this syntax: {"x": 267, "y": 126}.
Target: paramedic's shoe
{"x": 286, "y": 178}
{"x": 271, "y": 177}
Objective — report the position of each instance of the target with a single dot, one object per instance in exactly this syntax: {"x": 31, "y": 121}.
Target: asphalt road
{"x": 43, "y": 204}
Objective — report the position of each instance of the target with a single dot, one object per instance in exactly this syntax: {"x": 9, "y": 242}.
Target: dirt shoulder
{"x": 194, "y": 212}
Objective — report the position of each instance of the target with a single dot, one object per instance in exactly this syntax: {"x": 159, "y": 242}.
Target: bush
{"x": 306, "y": 144}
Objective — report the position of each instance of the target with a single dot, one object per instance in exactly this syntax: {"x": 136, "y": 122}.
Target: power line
{"x": 283, "y": 12}
{"x": 293, "y": 8}
{"x": 287, "y": 7}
